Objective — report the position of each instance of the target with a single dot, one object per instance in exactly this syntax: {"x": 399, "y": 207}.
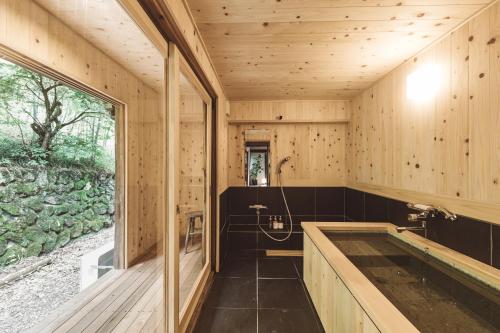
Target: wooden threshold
{"x": 284, "y": 253}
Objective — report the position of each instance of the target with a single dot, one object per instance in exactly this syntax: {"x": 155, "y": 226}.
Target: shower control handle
{"x": 257, "y": 208}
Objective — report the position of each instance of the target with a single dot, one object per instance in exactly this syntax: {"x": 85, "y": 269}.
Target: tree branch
{"x": 33, "y": 92}
{"x": 80, "y": 117}
{"x": 16, "y": 121}
{"x": 31, "y": 116}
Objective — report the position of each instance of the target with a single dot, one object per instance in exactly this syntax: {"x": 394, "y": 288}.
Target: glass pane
{"x": 257, "y": 164}
{"x": 192, "y": 198}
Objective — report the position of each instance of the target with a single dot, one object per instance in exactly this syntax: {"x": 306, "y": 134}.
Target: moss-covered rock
{"x": 29, "y": 176}
{"x": 34, "y": 250}
{"x": 74, "y": 208}
{"x": 42, "y": 178}
{"x": 7, "y": 195}
{"x": 24, "y": 190}
{"x": 43, "y": 208}
{"x": 96, "y": 224}
{"x": 80, "y": 185}
{"x": 88, "y": 214}
{"x": 29, "y": 218}
{"x": 47, "y": 211}
{"x": 35, "y": 234}
{"x": 76, "y": 230}
{"x": 111, "y": 208}
{"x": 52, "y": 200}
{"x": 79, "y": 196}
{"x": 11, "y": 209}
{"x": 100, "y": 209}
{"x": 35, "y": 203}
{"x": 13, "y": 225}
{"x": 107, "y": 220}
{"x": 16, "y": 238}
{"x": 13, "y": 254}
{"x": 50, "y": 243}
{"x": 63, "y": 238}
{"x": 51, "y": 223}
{"x": 3, "y": 245}
{"x": 6, "y": 177}
{"x": 61, "y": 210}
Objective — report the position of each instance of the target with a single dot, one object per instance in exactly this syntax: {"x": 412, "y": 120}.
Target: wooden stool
{"x": 191, "y": 230}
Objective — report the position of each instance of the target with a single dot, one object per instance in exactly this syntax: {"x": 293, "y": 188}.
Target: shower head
{"x": 283, "y": 161}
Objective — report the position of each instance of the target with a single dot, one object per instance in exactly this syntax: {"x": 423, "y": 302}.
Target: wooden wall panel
{"x": 448, "y": 147}
{"x": 30, "y": 30}
{"x": 316, "y": 147}
{"x": 192, "y": 155}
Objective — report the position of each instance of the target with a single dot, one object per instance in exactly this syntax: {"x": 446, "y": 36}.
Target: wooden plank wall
{"x": 192, "y": 155}
{"x": 317, "y": 149}
{"x": 187, "y": 25}
{"x": 448, "y": 147}
{"x": 33, "y": 32}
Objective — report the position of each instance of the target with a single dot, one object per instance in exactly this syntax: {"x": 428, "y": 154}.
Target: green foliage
{"x": 74, "y": 151}
{"x": 44, "y": 122}
{"x": 256, "y": 166}
{"x": 14, "y": 151}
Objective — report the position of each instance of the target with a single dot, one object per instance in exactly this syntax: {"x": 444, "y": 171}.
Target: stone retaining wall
{"x": 42, "y": 209}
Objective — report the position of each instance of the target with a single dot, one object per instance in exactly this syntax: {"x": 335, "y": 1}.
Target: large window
{"x": 57, "y": 192}
{"x": 257, "y": 164}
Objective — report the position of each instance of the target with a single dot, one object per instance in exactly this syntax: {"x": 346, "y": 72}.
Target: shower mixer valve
{"x": 257, "y": 208}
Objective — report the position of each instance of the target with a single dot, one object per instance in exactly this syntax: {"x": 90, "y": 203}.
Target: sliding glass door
{"x": 189, "y": 179}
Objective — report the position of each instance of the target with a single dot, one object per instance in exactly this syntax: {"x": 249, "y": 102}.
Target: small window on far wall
{"x": 257, "y": 163}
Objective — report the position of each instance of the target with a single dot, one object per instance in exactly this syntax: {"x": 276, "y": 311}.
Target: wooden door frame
{"x": 178, "y": 319}
{"x": 120, "y": 246}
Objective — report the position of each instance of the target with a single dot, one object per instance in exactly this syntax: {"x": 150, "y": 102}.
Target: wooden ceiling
{"x": 107, "y": 25}
{"x": 318, "y": 49}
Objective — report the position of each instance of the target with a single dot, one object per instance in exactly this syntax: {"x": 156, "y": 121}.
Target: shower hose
{"x": 289, "y": 216}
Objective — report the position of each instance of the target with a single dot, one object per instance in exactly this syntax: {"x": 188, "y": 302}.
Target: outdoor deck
{"x": 121, "y": 301}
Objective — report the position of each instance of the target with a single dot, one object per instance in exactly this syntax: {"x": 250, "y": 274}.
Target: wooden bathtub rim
{"x": 379, "y": 309}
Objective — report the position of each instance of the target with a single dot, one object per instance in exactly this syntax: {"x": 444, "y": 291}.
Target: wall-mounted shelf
{"x": 287, "y": 121}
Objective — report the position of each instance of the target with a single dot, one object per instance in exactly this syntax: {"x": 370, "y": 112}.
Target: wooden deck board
{"x": 123, "y": 301}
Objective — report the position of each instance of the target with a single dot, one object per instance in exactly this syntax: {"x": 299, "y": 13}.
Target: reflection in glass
{"x": 192, "y": 184}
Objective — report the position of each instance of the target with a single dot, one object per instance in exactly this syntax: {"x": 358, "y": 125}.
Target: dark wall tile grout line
{"x": 257, "y": 289}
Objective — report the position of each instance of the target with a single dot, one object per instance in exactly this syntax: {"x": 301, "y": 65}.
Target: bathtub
{"x": 367, "y": 277}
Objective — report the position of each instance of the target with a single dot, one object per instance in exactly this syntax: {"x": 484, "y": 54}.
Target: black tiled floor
{"x": 239, "y": 267}
{"x": 214, "y": 320}
{"x": 282, "y": 294}
{"x": 288, "y": 321}
{"x": 277, "y": 268}
{"x": 239, "y": 292}
{"x": 261, "y": 294}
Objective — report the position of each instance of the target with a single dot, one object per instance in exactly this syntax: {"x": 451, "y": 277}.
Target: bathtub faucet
{"x": 424, "y": 212}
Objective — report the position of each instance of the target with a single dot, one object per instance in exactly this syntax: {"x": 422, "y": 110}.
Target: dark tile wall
{"x": 471, "y": 237}
{"x": 239, "y": 231}
{"x": 305, "y": 204}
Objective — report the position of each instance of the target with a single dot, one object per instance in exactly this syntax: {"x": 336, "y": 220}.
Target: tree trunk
{"x": 46, "y": 141}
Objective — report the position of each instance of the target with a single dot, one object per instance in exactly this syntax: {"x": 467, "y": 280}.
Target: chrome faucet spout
{"x": 422, "y": 227}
